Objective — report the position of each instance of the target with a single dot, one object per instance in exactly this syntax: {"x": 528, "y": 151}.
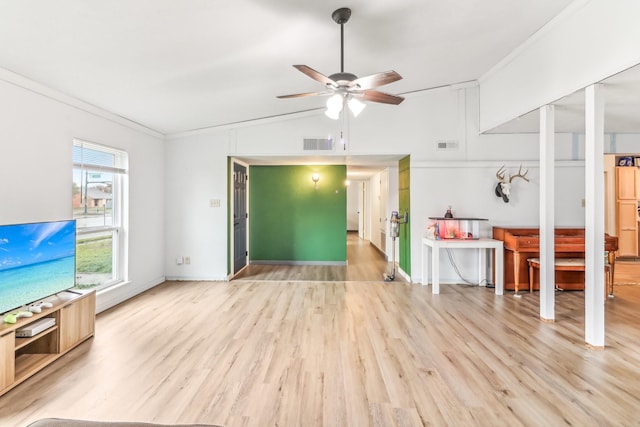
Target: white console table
{"x": 431, "y": 247}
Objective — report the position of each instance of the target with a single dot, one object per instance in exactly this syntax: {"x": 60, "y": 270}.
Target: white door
{"x": 353, "y": 194}
{"x": 384, "y": 216}
{"x": 361, "y": 209}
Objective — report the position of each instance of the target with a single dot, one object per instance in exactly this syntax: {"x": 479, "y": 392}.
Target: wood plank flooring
{"x": 287, "y": 353}
{"x": 627, "y": 273}
{"x": 365, "y": 263}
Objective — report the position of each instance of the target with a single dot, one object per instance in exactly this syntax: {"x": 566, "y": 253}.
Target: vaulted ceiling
{"x": 175, "y": 66}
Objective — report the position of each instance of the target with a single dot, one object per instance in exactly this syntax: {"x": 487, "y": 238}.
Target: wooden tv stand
{"x": 20, "y": 358}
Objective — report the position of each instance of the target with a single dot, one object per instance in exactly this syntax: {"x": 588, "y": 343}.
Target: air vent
{"x": 318, "y": 144}
{"x": 447, "y": 145}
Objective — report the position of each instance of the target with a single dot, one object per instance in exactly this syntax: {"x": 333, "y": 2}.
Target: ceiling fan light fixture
{"x": 346, "y": 85}
{"x": 334, "y": 115}
{"x": 334, "y": 106}
{"x": 335, "y": 103}
{"x": 356, "y": 106}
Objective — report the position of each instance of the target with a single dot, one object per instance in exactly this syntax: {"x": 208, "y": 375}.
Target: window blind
{"x": 98, "y": 157}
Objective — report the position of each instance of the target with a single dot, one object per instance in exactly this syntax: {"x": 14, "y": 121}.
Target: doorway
{"x": 357, "y": 209}
{"x": 375, "y": 182}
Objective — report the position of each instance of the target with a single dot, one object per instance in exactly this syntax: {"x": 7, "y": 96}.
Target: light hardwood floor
{"x": 285, "y": 346}
{"x": 287, "y": 353}
{"x": 365, "y": 263}
{"x": 627, "y": 273}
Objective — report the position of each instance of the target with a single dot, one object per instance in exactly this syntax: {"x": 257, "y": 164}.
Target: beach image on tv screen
{"x": 36, "y": 260}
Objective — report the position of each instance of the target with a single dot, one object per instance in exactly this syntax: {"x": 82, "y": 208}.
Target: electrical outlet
{"x": 187, "y": 260}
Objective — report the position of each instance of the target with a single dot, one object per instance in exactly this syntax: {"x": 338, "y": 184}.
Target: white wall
{"x": 36, "y": 133}
{"x": 196, "y": 173}
{"x": 172, "y": 183}
{"x": 464, "y": 178}
{"x": 469, "y": 188}
{"x": 624, "y": 143}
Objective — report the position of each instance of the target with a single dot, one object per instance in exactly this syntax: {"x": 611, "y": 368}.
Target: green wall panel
{"x": 290, "y": 220}
{"x": 229, "y": 221}
{"x": 404, "y": 202}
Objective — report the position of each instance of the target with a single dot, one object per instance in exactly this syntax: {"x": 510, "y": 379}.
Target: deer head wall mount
{"x": 503, "y": 189}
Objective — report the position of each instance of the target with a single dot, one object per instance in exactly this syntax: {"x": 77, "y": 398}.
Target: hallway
{"x": 365, "y": 263}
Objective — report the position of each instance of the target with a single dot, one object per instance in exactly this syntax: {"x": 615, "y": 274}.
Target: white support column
{"x": 547, "y": 213}
{"x": 594, "y": 216}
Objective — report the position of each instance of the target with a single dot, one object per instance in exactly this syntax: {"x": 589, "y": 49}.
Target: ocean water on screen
{"x": 23, "y": 285}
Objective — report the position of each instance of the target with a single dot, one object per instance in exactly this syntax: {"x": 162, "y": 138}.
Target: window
{"x": 99, "y": 188}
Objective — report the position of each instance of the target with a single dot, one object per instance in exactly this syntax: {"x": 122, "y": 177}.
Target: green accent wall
{"x": 404, "y": 180}
{"x": 229, "y": 218}
{"x": 290, "y": 220}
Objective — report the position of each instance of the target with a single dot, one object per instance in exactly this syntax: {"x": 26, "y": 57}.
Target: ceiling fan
{"x": 347, "y": 88}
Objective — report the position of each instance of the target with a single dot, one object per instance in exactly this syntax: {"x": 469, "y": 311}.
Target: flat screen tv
{"x": 36, "y": 260}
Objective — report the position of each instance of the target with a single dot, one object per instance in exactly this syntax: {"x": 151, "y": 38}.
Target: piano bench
{"x": 570, "y": 264}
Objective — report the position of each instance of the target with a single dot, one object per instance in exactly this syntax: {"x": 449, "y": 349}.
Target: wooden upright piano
{"x": 522, "y": 243}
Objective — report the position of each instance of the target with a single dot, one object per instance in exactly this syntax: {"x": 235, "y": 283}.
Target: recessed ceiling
{"x": 176, "y": 66}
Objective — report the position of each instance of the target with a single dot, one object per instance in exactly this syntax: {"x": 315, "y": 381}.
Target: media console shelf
{"x": 21, "y": 358}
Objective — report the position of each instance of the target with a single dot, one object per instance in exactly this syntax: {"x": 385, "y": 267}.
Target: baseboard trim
{"x": 117, "y": 294}
{"x": 278, "y": 262}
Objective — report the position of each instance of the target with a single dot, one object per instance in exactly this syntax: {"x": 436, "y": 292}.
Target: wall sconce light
{"x": 315, "y": 178}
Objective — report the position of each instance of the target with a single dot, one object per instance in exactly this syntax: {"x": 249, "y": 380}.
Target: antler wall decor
{"x": 503, "y": 189}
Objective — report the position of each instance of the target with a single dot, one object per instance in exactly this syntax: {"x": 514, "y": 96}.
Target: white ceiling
{"x": 622, "y": 109}
{"x": 176, "y": 66}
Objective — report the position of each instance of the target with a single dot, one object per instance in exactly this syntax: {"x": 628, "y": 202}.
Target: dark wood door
{"x": 239, "y": 217}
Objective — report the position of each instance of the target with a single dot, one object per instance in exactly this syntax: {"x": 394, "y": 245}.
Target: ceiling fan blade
{"x": 301, "y": 95}
{"x": 316, "y": 75}
{"x": 376, "y": 80}
{"x": 377, "y": 96}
